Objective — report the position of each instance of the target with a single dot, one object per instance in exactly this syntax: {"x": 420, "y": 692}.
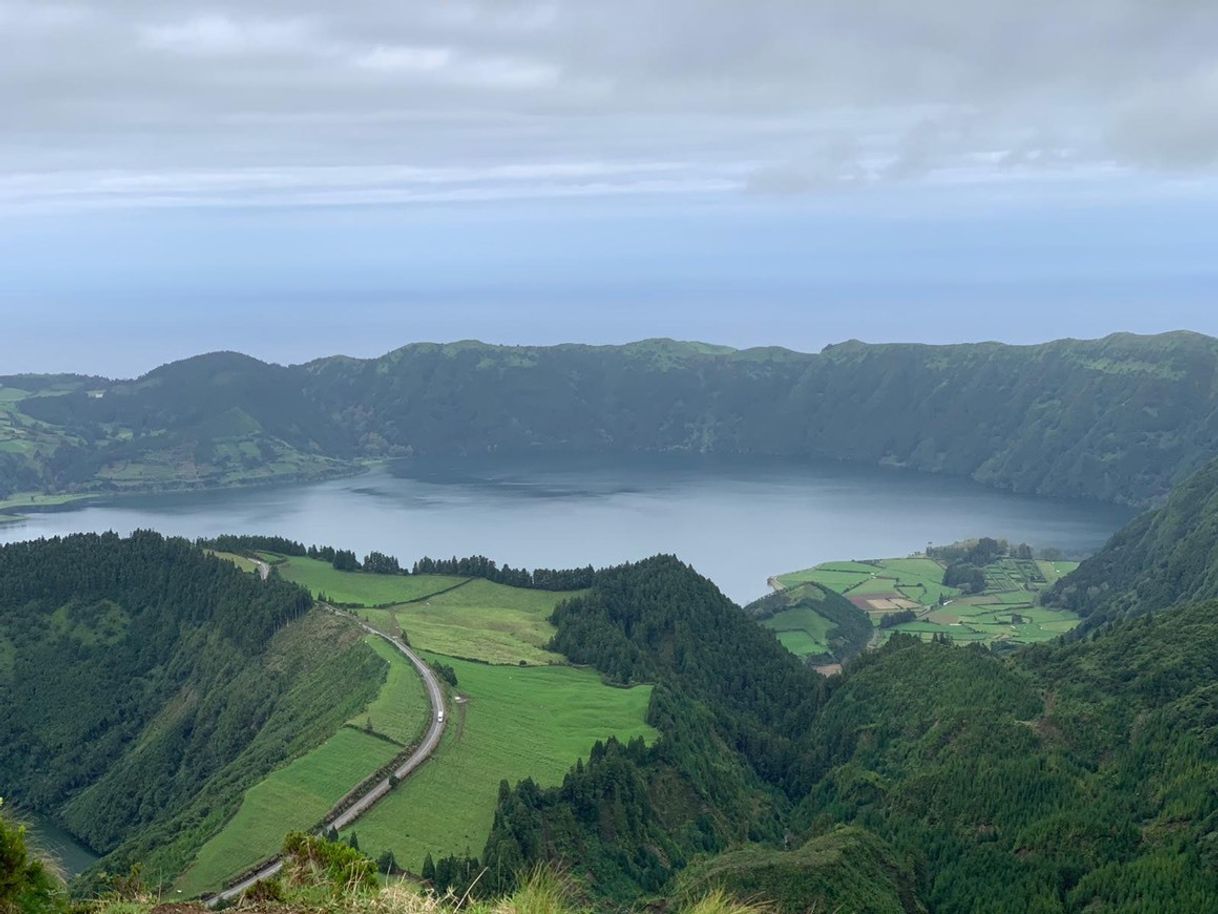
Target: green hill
{"x": 1165, "y": 556}
{"x": 1118, "y": 419}
{"x": 145, "y": 685}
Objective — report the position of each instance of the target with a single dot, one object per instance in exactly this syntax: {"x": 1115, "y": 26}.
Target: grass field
{"x": 356, "y": 588}
{"x": 1006, "y": 611}
{"x": 801, "y": 630}
{"x": 518, "y": 722}
{"x": 400, "y": 710}
{"x": 299, "y": 794}
{"x": 239, "y": 560}
{"x": 293, "y": 797}
{"x": 480, "y": 620}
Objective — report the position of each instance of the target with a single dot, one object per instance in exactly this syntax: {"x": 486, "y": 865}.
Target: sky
{"x": 296, "y": 179}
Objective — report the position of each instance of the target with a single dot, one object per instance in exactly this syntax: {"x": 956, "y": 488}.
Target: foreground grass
{"x": 299, "y": 795}
{"x": 358, "y": 588}
{"x": 518, "y": 722}
{"x": 320, "y": 886}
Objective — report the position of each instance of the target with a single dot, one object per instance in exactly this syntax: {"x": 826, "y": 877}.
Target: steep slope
{"x": 1163, "y": 557}
{"x": 145, "y": 685}
{"x": 1120, "y": 419}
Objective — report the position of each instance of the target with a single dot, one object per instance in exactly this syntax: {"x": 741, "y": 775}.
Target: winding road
{"x": 435, "y": 696}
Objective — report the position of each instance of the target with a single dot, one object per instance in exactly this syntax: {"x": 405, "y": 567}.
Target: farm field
{"x": 479, "y": 620}
{"x": 518, "y": 722}
{"x": 299, "y": 794}
{"x": 802, "y": 630}
{"x": 358, "y": 588}
{"x": 1005, "y": 611}
{"x": 245, "y": 564}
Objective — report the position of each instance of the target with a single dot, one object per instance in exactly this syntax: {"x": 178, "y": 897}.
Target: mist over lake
{"x": 738, "y": 521}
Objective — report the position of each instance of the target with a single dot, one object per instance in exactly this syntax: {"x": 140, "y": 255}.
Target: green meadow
{"x": 245, "y": 564}
{"x": 479, "y": 620}
{"x": 517, "y": 722}
{"x": 357, "y": 588}
{"x": 802, "y": 630}
{"x": 299, "y": 795}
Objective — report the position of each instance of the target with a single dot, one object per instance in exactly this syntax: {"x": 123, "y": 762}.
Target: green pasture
{"x": 485, "y": 621}
{"x": 518, "y": 722}
{"x": 400, "y": 710}
{"x": 300, "y": 794}
{"x": 296, "y": 796}
{"x": 802, "y": 630}
{"x": 240, "y": 561}
{"x": 358, "y": 588}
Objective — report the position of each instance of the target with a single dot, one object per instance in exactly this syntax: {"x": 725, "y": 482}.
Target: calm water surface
{"x": 736, "y": 521}
{"x": 49, "y": 838}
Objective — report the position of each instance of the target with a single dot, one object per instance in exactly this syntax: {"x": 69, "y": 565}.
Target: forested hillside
{"x": 1117, "y": 419}
{"x": 1062, "y": 778}
{"x": 144, "y": 685}
{"x": 1165, "y": 556}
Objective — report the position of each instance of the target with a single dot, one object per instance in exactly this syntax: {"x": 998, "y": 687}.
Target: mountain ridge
{"x": 1120, "y": 419}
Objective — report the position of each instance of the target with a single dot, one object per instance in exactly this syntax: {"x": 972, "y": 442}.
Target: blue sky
{"x": 291, "y": 183}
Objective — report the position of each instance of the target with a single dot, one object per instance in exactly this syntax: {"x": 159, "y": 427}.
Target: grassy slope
{"x": 299, "y": 794}
{"x": 360, "y": 589}
{"x": 519, "y": 722}
{"x": 483, "y": 620}
{"x": 802, "y": 631}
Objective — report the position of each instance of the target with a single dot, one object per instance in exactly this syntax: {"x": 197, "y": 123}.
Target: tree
{"x": 345, "y": 560}
{"x": 429, "y": 868}
{"x": 386, "y": 863}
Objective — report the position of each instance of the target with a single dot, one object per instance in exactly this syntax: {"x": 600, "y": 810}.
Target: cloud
{"x": 221, "y": 36}
{"x": 771, "y": 96}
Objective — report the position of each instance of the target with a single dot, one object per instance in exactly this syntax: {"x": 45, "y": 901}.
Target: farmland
{"x": 1005, "y": 611}
{"x": 517, "y": 722}
{"x": 480, "y": 620}
{"x": 299, "y": 794}
{"x": 470, "y": 618}
{"x": 357, "y": 588}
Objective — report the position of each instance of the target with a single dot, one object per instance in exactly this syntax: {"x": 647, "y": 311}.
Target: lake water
{"x": 47, "y": 837}
{"x": 737, "y": 521}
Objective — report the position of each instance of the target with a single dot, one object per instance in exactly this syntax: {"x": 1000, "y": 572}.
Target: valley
{"x": 506, "y": 720}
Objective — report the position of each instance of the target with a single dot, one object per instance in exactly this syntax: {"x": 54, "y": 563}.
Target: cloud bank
{"x": 136, "y": 103}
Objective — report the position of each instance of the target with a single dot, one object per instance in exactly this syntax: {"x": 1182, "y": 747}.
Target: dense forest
{"x": 1161, "y": 558}
{"x": 144, "y": 685}
{"x": 1119, "y": 419}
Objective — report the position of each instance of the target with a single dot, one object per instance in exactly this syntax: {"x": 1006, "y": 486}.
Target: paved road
{"x": 435, "y": 695}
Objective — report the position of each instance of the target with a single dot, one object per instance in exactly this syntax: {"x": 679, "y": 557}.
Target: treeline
{"x": 479, "y": 566}
{"x": 474, "y": 566}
